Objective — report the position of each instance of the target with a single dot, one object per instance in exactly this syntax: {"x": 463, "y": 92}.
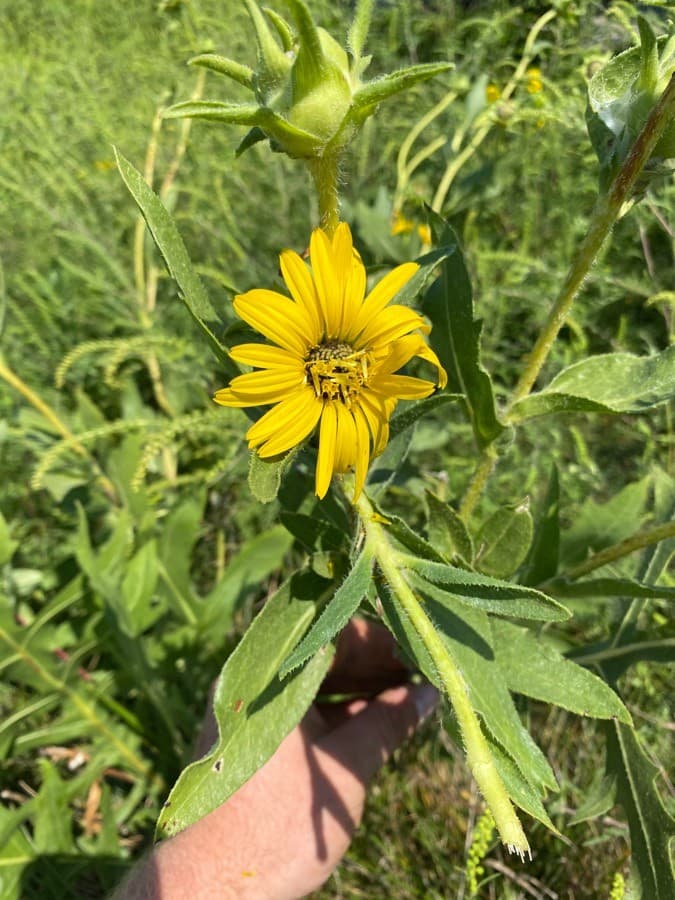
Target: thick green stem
{"x": 478, "y": 753}
{"x": 605, "y": 214}
{"x": 325, "y": 172}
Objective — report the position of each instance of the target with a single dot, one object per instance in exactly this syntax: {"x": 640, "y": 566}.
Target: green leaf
{"x": 171, "y": 246}
{"x": 312, "y": 532}
{"x": 504, "y": 540}
{"x": 483, "y": 592}
{"x": 222, "y": 65}
{"x": 410, "y": 539}
{"x": 599, "y": 799}
{"x": 456, "y": 338}
{"x": 519, "y": 788}
{"x": 542, "y": 562}
{"x": 52, "y": 814}
{"x": 611, "y": 383}
{"x": 467, "y": 637}
{"x": 254, "y": 708}
{"x": 533, "y": 668}
{"x": 178, "y": 536}
{"x": 367, "y": 97}
{"x": 336, "y": 614}
{"x": 247, "y": 571}
{"x": 7, "y": 545}
{"x": 138, "y": 588}
{"x": 651, "y": 827}
{"x": 447, "y": 532}
{"x": 264, "y": 475}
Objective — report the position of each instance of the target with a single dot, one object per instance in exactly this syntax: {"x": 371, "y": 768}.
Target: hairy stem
{"x": 325, "y": 172}
{"x": 605, "y": 214}
{"x": 478, "y": 753}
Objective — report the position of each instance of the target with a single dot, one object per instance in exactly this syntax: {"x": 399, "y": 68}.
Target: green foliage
{"x": 133, "y": 554}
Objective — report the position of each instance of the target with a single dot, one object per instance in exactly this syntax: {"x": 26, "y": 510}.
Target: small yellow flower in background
{"x": 534, "y": 85}
{"x": 333, "y": 358}
{"x": 400, "y": 225}
{"x": 424, "y": 234}
{"x": 492, "y": 93}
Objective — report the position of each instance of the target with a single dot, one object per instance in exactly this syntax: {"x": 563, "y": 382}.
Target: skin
{"x": 281, "y": 835}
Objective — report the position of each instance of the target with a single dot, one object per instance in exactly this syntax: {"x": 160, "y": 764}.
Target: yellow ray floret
{"x": 333, "y": 358}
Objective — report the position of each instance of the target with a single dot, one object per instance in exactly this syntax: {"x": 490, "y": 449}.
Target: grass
{"x": 136, "y": 380}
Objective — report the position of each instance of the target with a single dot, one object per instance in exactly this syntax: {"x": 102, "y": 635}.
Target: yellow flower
{"x": 492, "y": 93}
{"x": 424, "y": 234}
{"x": 332, "y": 360}
{"x": 534, "y": 81}
{"x": 400, "y": 225}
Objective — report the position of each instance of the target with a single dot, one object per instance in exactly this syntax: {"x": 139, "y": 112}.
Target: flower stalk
{"x": 607, "y": 211}
{"x": 476, "y": 747}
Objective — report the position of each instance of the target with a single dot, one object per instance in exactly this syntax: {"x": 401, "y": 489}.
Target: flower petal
{"x": 267, "y": 386}
{"x": 278, "y": 318}
{"x": 225, "y": 397}
{"x": 325, "y": 464}
{"x": 403, "y": 350}
{"x": 391, "y": 324}
{"x": 383, "y": 292}
{"x": 262, "y": 356}
{"x": 403, "y": 387}
{"x": 326, "y": 279}
{"x": 345, "y": 448}
{"x": 299, "y": 282}
{"x": 280, "y": 417}
{"x": 377, "y": 411}
{"x": 362, "y": 450}
{"x": 303, "y": 423}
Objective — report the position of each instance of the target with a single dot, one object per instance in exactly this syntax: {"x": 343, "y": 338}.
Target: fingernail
{"x": 426, "y": 699}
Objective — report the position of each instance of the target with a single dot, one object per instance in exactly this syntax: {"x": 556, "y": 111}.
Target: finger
{"x": 365, "y": 660}
{"x": 364, "y": 742}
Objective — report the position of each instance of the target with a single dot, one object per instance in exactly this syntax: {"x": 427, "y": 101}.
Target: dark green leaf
{"x": 447, "y": 532}
{"x": 532, "y": 667}
{"x": 483, "y": 592}
{"x": 599, "y": 799}
{"x": 651, "y": 828}
{"x": 613, "y": 383}
{"x": 405, "y": 535}
{"x": 456, "y": 339}
{"x": 172, "y": 248}
{"x": 542, "y": 562}
{"x": 138, "y": 588}
{"x": 408, "y": 416}
{"x": 519, "y": 788}
{"x": 504, "y": 540}
{"x": 610, "y": 587}
{"x": 312, "y": 532}
{"x": 254, "y": 708}
{"x": 337, "y": 613}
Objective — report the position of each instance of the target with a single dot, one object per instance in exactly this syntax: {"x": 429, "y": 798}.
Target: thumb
{"x": 365, "y": 741}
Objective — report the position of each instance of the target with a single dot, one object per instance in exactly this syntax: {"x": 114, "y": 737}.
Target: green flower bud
{"x": 309, "y": 97}
{"x": 622, "y": 94}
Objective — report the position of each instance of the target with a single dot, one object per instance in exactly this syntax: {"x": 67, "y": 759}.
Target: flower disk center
{"x": 336, "y": 371}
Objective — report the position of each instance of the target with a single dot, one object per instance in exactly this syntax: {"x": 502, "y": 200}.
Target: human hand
{"x": 283, "y": 832}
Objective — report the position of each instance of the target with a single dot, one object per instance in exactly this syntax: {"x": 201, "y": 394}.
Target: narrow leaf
{"x": 336, "y": 614}
{"x": 610, "y": 587}
{"x": 542, "y": 562}
{"x": 652, "y": 829}
{"x": 172, "y": 248}
{"x": 456, "y": 339}
{"x": 483, "y": 592}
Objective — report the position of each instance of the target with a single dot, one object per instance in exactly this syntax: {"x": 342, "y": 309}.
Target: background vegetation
{"x": 129, "y": 529}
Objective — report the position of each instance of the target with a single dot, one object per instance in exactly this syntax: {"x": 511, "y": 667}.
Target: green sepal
{"x": 215, "y": 111}
{"x": 224, "y": 66}
{"x": 649, "y": 57}
{"x": 250, "y": 139}
{"x": 273, "y": 64}
{"x": 283, "y": 29}
{"x": 358, "y": 30}
{"x": 311, "y": 64}
{"x": 369, "y": 95}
